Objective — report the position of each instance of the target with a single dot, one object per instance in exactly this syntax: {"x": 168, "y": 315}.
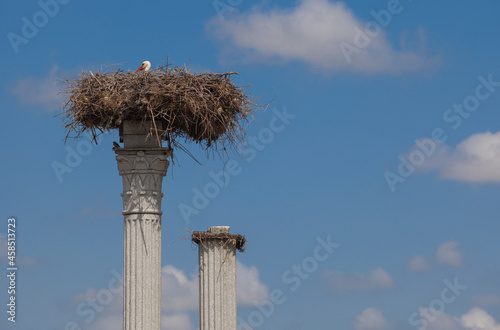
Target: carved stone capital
{"x": 142, "y": 172}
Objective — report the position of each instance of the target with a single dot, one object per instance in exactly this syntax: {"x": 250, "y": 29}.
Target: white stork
{"x": 146, "y": 65}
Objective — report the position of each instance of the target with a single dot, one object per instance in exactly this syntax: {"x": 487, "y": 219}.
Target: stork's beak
{"x": 140, "y": 68}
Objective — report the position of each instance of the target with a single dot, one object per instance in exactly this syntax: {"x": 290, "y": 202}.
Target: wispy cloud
{"x": 474, "y": 319}
{"x": 40, "y": 92}
{"x": 96, "y": 209}
{"x": 3, "y": 247}
{"x": 475, "y": 159}
{"x": 486, "y": 300}
{"x": 108, "y": 322}
{"x": 179, "y": 298}
{"x": 371, "y": 319}
{"x": 418, "y": 264}
{"x": 321, "y": 33}
{"x": 377, "y": 280}
{"x": 447, "y": 253}
{"x": 21, "y": 259}
{"x": 177, "y": 322}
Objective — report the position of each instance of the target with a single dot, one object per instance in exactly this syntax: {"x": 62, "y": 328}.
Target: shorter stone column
{"x": 217, "y": 276}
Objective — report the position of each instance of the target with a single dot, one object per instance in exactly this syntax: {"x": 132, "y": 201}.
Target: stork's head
{"x": 146, "y": 65}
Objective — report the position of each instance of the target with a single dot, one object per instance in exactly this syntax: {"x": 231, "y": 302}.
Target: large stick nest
{"x": 205, "y": 108}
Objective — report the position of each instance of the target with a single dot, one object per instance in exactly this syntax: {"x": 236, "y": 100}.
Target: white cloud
{"x": 250, "y": 290}
{"x": 478, "y": 319}
{"x": 476, "y": 159}
{"x": 39, "y": 92}
{"x": 437, "y": 320}
{"x": 418, "y": 264}
{"x": 314, "y": 32}
{"x": 108, "y": 322}
{"x": 371, "y": 319}
{"x": 447, "y": 254}
{"x": 176, "y": 322}
{"x": 179, "y": 296}
{"x": 179, "y": 293}
{"x": 474, "y": 319}
{"x": 109, "y": 312}
{"x": 378, "y": 279}
{"x": 168, "y": 322}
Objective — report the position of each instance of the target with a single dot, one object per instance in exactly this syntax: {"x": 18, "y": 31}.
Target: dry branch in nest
{"x": 205, "y": 108}
{"x": 200, "y": 237}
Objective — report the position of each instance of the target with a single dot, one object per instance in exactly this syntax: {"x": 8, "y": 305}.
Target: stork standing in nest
{"x": 146, "y": 65}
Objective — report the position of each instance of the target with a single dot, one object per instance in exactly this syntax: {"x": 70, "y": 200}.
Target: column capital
{"x": 142, "y": 171}
{"x": 143, "y": 158}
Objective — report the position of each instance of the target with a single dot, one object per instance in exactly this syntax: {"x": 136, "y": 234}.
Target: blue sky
{"x": 371, "y": 199}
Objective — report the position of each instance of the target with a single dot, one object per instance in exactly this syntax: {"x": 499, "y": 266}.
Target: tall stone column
{"x": 142, "y": 165}
{"x": 217, "y": 277}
